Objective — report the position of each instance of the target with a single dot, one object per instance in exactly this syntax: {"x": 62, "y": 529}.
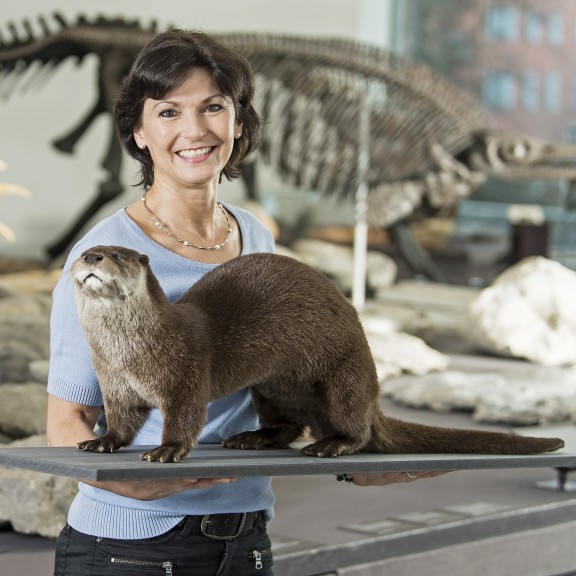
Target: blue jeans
{"x": 183, "y": 551}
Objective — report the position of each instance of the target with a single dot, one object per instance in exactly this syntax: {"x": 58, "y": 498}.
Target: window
{"x": 570, "y": 134}
{"x": 555, "y": 29}
{"x": 531, "y": 90}
{"x": 534, "y": 27}
{"x": 502, "y": 24}
{"x": 553, "y": 92}
{"x": 499, "y": 90}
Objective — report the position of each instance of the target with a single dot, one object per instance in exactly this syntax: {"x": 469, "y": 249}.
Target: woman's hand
{"x": 385, "y": 478}
{"x": 156, "y": 489}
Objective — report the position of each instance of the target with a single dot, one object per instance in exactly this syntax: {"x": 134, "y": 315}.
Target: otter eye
{"x": 116, "y": 256}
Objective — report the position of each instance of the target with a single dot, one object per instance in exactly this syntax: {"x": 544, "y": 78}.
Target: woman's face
{"x": 189, "y": 133}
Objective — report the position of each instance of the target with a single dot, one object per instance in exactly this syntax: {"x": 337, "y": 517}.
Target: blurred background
{"x": 513, "y": 58}
{"x": 449, "y": 350}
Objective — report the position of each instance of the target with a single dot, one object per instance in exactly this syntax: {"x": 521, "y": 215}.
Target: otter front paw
{"x": 102, "y": 444}
{"x": 165, "y": 453}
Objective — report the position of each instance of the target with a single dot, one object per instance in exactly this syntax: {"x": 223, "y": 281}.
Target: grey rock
{"x": 30, "y": 307}
{"x": 34, "y": 502}
{"x": 39, "y": 371}
{"x": 23, "y": 409}
{"x": 22, "y": 340}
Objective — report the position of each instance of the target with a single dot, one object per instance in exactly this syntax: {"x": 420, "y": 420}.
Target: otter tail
{"x": 391, "y": 436}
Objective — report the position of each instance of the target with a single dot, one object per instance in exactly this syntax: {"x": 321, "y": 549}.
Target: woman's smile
{"x": 196, "y": 154}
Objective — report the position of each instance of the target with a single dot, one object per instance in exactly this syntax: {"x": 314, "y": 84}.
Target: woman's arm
{"x": 70, "y": 423}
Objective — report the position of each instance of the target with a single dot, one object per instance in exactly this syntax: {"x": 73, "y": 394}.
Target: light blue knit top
{"x": 102, "y": 513}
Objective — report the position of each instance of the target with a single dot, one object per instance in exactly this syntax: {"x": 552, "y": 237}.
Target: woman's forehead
{"x": 199, "y": 83}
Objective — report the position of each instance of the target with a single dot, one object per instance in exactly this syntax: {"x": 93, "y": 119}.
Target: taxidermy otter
{"x": 262, "y": 321}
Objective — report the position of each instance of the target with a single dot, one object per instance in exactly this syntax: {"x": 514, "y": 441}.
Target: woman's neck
{"x": 188, "y": 222}
{"x": 187, "y": 212}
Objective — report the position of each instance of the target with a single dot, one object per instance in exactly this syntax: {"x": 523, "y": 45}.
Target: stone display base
{"x": 212, "y": 461}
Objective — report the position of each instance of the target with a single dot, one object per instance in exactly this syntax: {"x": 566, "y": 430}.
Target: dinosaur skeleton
{"x": 429, "y": 144}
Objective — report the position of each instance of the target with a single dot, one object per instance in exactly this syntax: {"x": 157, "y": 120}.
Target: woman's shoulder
{"x": 113, "y": 230}
{"x": 258, "y": 228}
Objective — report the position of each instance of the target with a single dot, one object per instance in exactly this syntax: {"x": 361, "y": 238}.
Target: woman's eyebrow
{"x": 174, "y": 103}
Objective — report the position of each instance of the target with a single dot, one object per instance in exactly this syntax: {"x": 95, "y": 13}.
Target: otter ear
{"x": 143, "y": 259}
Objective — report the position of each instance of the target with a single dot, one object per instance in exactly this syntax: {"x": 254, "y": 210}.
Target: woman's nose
{"x": 194, "y": 126}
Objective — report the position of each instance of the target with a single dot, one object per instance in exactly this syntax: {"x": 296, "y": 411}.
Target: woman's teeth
{"x": 195, "y": 152}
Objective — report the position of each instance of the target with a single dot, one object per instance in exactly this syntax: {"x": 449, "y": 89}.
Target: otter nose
{"x": 93, "y": 257}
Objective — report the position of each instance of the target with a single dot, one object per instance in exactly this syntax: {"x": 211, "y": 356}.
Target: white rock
{"x": 337, "y": 262}
{"x": 528, "y": 312}
{"x": 33, "y": 502}
{"x": 397, "y": 352}
{"x": 517, "y": 397}
{"x": 442, "y": 392}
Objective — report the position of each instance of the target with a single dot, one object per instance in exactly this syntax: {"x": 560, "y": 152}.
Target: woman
{"x": 185, "y": 114}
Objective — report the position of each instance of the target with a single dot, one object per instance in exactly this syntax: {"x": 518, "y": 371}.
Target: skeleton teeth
{"x": 194, "y": 153}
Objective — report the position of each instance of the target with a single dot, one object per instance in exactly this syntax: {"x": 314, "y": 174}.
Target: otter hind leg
{"x": 280, "y": 426}
{"x": 331, "y": 447}
{"x": 280, "y": 436}
{"x": 343, "y": 414}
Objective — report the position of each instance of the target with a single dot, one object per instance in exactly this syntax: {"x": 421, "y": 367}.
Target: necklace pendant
{"x": 186, "y": 243}
{"x": 217, "y": 247}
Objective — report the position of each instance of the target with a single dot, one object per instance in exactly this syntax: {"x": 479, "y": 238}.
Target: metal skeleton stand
{"x": 361, "y": 226}
{"x": 561, "y": 483}
{"x": 568, "y": 433}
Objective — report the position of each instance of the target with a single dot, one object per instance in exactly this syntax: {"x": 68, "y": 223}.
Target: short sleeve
{"x": 71, "y": 376}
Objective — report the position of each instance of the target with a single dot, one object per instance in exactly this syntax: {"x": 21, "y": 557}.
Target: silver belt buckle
{"x": 205, "y": 524}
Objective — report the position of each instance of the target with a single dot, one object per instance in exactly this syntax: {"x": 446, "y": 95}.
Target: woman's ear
{"x": 139, "y": 138}
{"x": 237, "y": 131}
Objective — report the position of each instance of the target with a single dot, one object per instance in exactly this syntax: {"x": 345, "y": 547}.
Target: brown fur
{"x": 264, "y": 321}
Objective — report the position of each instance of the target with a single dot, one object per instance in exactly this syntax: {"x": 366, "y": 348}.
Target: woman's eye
{"x": 215, "y": 107}
{"x": 168, "y": 113}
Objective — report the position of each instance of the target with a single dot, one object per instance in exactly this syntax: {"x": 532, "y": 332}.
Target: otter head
{"x": 110, "y": 272}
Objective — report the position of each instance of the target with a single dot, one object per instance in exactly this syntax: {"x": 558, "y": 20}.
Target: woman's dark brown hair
{"x": 163, "y": 65}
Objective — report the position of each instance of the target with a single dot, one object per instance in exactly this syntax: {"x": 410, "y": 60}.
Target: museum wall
{"x": 41, "y": 107}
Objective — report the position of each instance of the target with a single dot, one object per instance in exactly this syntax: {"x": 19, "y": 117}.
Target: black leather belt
{"x": 222, "y": 526}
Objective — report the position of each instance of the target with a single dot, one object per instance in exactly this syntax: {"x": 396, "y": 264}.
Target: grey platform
{"x": 209, "y": 461}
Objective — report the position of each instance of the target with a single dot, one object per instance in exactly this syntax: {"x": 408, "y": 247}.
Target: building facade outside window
{"x": 531, "y": 90}
{"x": 573, "y": 94}
{"x": 555, "y": 30}
{"x": 502, "y": 23}
{"x": 553, "y": 91}
{"x": 499, "y": 90}
{"x": 534, "y": 27}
